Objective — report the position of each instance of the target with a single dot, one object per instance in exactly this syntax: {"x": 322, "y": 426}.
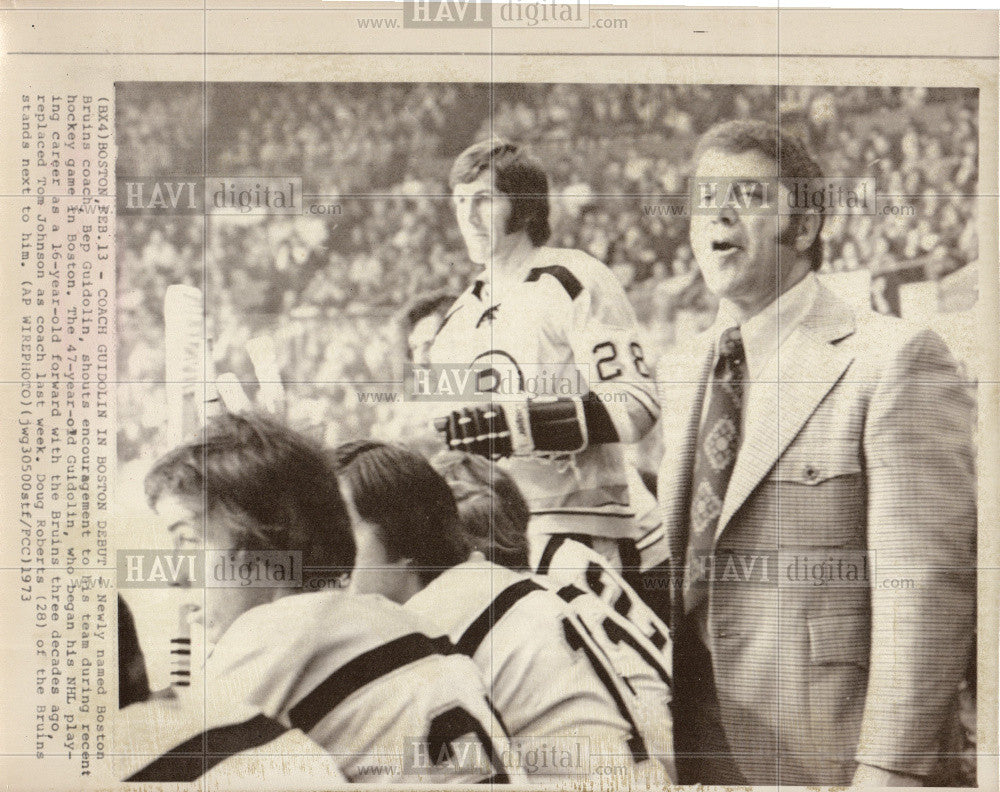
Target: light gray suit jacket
{"x": 866, "y": 448}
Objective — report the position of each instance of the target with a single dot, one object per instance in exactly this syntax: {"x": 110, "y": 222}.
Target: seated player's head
{"x": 404, "y": 519}
{"x": 750, "y": 236}
{"x": 246, "y": 486}
{"x": 420, "y": 321}
{"x": 493, "y": 513}
{"x": 501, "y": 197}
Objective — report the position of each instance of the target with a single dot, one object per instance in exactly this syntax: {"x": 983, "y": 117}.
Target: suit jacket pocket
{"x": 819, "y": 497}
{"x": 839, "y": 638}
{"x": 816, "y": 461}
{"x": 828, "y": 514}
{"x": 837, "y": 682}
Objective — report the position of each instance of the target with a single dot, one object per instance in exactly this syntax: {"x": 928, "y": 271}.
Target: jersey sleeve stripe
{"x": 362, "y": 670}
{"x": 480, "y": 628}
{"x": 640, "y": 395}
{"x": 498, "y": 778}
{"x": 650, "y": 538}
{"x": 602, "y": 513}
{"x": 194, "y": 757}
{"x": 654, "y": 415}
{"x": 578, "y": 637}
{"x": 618, "y": 632}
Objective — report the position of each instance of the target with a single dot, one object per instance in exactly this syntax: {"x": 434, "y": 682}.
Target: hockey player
{"x": 549, "y": 681}
{"x": 550, "y": 338}
{"x": 241, "y": 742}
{"x": 358, "y": 675}
{"x": 494, "y": 519}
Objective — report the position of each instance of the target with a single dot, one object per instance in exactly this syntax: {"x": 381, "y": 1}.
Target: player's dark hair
{"x": 518, "y": 175}
{"x": 398, "y": 491}
{"x": 493, "y": 513}
{"x": 789, "y": 153}
{"x": 270, "y": 487}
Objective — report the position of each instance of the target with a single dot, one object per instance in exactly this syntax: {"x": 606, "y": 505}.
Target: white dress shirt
{"x": 763, "y": 334}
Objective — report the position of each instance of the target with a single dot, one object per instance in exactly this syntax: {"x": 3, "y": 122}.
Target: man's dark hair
{"x": 517, "y": 175}
{"x": 493, "y": 513}
{"x": 790, "y": 154}
{"x": 269, "y": 486}
{"x": 398, "y": 491}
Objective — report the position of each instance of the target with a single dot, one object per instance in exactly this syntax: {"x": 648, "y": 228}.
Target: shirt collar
{"x": 765, "y": 331}
{"x": 486, "y": 275}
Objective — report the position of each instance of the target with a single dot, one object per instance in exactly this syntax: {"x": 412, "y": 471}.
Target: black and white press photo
{"x": 549, "y": 433}
{"x": 533, "y": 394}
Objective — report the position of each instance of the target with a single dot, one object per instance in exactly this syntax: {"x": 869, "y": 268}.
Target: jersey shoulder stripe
{"x": 545, "y": 562}
{"x": 451, "y": 312}
{"x": 361, "y": 671}
{"x": 566, "y": 279}
{"x": 194, "y": 757}
{"x": 476, "y": 632}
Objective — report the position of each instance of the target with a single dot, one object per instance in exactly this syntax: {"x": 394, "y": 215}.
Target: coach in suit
{"x": 818, "y": 502}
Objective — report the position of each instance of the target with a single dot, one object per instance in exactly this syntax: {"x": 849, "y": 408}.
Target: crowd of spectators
{"x": 376, "y": 156}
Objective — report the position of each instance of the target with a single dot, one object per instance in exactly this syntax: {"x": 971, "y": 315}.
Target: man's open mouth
{"x": 724, "y": 247}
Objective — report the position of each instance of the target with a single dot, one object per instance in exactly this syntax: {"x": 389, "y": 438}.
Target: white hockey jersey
{"x": 549, "y": 682}
{"x": 634, "y": 639}
{"x": 570, "y": 563}
{"x": 360, "y": 677}
{"x": 563, "y": 312}
{"x": 174, "y": 741}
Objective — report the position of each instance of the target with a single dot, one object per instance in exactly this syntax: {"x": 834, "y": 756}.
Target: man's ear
{"x": 806, "y": 228}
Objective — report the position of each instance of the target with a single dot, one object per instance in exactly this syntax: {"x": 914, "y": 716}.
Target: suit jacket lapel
{"x": 682, "y": 392}
{"x": 805, "y": 370}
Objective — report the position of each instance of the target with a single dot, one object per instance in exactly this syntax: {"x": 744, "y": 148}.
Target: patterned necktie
{"x": 718, "y": 444}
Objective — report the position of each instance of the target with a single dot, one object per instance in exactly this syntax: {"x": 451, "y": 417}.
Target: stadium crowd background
{"x": 374, "y": 159}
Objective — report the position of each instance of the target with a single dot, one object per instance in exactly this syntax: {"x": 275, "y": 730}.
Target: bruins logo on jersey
{"x": 497, "y": 372}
